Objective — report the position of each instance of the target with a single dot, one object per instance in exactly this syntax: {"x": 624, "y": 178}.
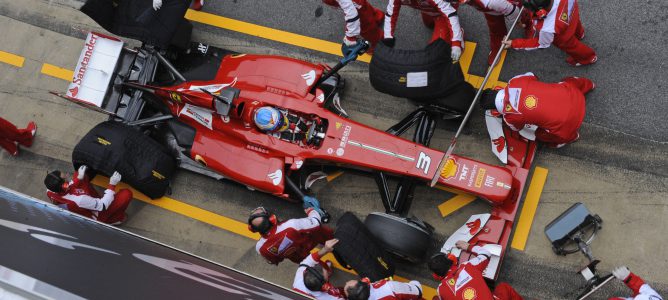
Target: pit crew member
{"x": 11, "y": 137}
{"x": 438, "y": 14}
{"x": 556, "y": 109}
{"x": 312, "y": 276}
{"x": 641, "y": 290}
{"x": 383, "y": 289}
{"x": 79, "y": 196}
{"x": 362, "y": 20}
{"x": 467, "y": 281}
{"x": 495, "y": 12}
{"x": 555, "y": 22}
{"x": 292, "y": 239}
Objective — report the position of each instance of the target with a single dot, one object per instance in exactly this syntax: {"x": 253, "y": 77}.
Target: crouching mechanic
{"x": 467, "y": 281}
{"x": 641, "y": 290}
{"x": 437, "y": 14}
{"x": 383, "y": 289}
{"x": 79, "y": 196}
{"x": 312, "y": 277}
{"x": 362, "y": 20}
{"x": 555, "y": 22}
{"x": 556, "y": 109}
{"x": 292, "y": 239}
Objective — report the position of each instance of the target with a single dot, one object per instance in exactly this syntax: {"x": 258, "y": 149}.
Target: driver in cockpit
{"x": 280, "y": 123}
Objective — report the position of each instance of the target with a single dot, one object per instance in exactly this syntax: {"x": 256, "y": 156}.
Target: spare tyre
{"x": 422, "y": 75}
{"x": 143, "y": 163}
{"x": 358, "y": 249}
{"x": 408, "y": 238}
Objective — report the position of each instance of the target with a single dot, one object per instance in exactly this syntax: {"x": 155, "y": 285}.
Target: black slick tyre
{"x": 403, "y": 237}
{"x": 143, "y": 163}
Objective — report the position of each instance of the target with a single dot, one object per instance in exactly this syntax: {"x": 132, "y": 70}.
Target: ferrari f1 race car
{"x": 196, "y": 106}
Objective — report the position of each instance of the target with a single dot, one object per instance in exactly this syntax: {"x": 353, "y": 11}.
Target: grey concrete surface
{"x": 619, "y": 173}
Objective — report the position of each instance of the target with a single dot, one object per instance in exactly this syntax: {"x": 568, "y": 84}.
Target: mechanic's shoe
{"x": 197, "y": 5}
{"x": 571, "y": 61}
{"x": 121, "y": 221}
{"x": 33, "y": 130}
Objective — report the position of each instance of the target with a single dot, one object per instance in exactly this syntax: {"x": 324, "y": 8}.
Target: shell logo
{"x": 531, "y": 102}
{"x": 469, "y": 294}
{"x": 450, "y": 169}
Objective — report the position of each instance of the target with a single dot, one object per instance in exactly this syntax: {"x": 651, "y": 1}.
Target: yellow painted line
{"x": 529, "y": 208}
{"x": 187, "y": 210}
{"x": 269, "y": 33}
{"x": 494, "y": 76}
{"x": 11, "y": 59}
{"x": 222, "y": 222}
{"x": 58, "y": 72}
{"x": 455, "y": 203}
{"x": 334, "y": 175}
{"x": 467, "y": 56}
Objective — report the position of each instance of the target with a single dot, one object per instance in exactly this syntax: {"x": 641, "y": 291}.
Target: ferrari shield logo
{"x": 564, "y": 17}
{"x": 530, "y": 102}
{"x": 175, "y": 97}
{"x": 338, "y": 125}
{"x": 509, "y": 108}
{"x": 469, "y": 294}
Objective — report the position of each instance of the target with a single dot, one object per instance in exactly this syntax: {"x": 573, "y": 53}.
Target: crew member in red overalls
{"x": 362, "y": 19}
{"x": 79, "y": 196}
{"x": 557, "y": 109}
{"x": 312, "y": 276}
{"x": 641, "y": 290}
{"x": 11, "y": 137}
{"x": 292, "y": 239}
{"x": 467, "y": 281}
{"x": 438, "y": 14}
{"x": 495, "y": 12}
{"x": 382, "y": 290}
{"x": 555, "y": 22}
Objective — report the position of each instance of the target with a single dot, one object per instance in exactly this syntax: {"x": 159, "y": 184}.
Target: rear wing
{"x": 94, "y": 71}
{"x": 104, "y": 64}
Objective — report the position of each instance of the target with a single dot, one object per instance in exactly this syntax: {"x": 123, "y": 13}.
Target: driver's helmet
{"x": 270, "y": 119}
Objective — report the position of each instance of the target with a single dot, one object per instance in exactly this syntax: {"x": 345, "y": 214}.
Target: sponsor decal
{"x": 479, "y": 179}
{"x": 321, "y": 98}
{"x": 503, "y": 185}
{"x": 463, "y": 278}
{"x": 345, "y": 136}
{"x": 402, "y": 79}
{"x": 508, "y": 108}
{"x": 309, "y": 77}
{"x": 85, "y": 60}
{"x": 212, "y": 88}
{"x": 473, "y": 226}
{"x": 338, "y": 125}
{"x": 339, "y": 152}
{"x": 285, "y": 243}
{"x": 423, "y": 162}
{"x": 530, "y": 102}
{"x": 450, "y": 169}
{"x": 330, "y": 150}
{"x": 500, "y": 143}
{"x": 469, "y": 294}
{"x": 201, "y": 115}
{"x": 202, "y": 48}
{"x": 564, "y": 17}
{"x": 175, "y": 97}
{"x": 156, "y": 174}
{"x": 102, "y": 141}
{"x": 299, "y": 163}
{"x": 451, "y": 282}
{"x": 73, "y": 91}
{"x": 273, "y": 250}
{"x": 489, "y": 181}
{"x": 276, "y": 176}
{"x": 474, "y": 171}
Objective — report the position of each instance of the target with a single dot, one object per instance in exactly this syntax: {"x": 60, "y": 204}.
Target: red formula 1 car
{"x": 204, "y": 100}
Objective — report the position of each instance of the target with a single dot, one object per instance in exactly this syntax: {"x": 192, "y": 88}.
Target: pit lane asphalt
{"x": 632, "y": 203}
